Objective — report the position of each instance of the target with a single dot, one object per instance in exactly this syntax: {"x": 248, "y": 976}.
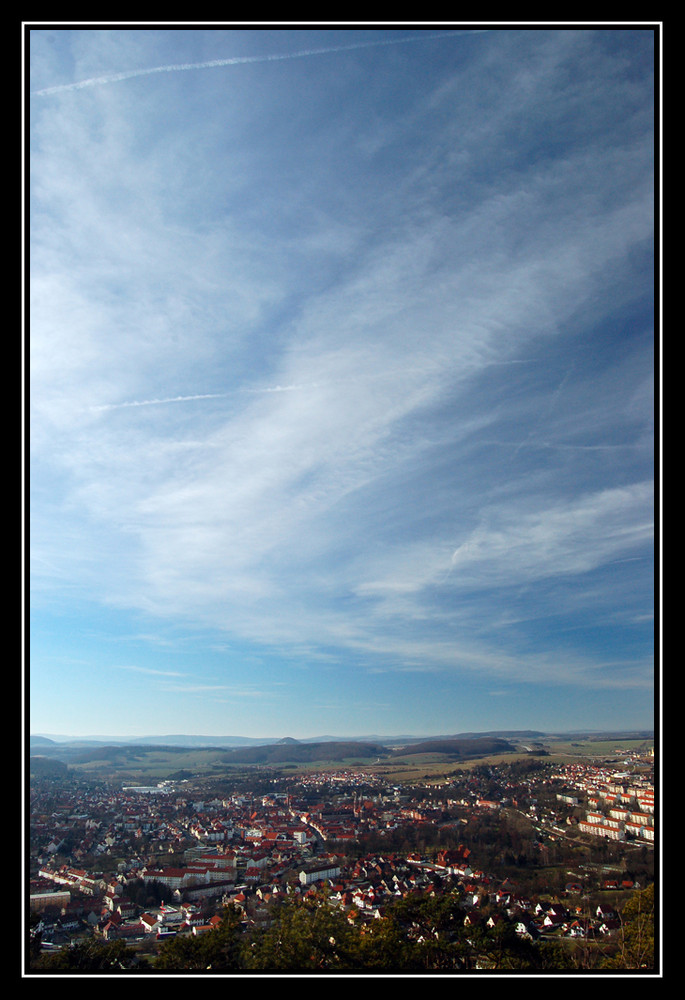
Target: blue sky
{"x": 341, "y": 358}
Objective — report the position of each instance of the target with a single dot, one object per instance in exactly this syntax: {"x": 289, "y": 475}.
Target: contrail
{"x": 97, "y": 81}
{"x": 158, "y": 402}
{"x": 204, "y": 395}
{"x": 289, "y": 387}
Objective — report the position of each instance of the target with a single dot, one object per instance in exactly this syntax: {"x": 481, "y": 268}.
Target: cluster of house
{"x": 617, "y": 805}
{"x": 247, "y": 849}
{"x": 573, "y": 921}
{"x": 145, "y": 821}
{"x": 362, "y": 889}
{"x": 365, "y": 890}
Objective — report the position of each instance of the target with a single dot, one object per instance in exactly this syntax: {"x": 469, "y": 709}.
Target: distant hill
{"x": 293, "y": 752}
{"x": 505, "y": 734}
{"x": 204, "y": 741}
{"x": 211, "y": 752}
{"x": 139, "y": 755}
{"x": 172, "y": 740}
{"x": 46, "y": 767}
{"x": 457, "y": 748}
{"x": 193, "y": 740}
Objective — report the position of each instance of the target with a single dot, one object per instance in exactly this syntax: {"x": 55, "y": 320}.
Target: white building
{"x": 319, "y": 874}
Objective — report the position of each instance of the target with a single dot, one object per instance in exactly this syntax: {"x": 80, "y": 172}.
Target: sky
{"x": 341, "y": 379}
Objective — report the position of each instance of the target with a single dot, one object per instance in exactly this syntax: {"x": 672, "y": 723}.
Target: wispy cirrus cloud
{"x": 357, "y": 375}
{"x": 566, "y": 538}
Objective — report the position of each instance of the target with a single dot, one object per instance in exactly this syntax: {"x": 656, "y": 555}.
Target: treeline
{"x": 422, "y": 933}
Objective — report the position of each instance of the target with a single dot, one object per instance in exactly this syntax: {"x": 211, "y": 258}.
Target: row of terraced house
{"x": 628, "y": 810}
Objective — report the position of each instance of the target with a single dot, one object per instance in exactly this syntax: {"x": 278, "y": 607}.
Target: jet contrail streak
{"x": 158, "y": 402}
{"x": 203, "y": 395}
{"x": 96, "y": 81}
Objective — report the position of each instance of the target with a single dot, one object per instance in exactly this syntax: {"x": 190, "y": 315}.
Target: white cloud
{"x": 566, "y": 538}
{"x": 301, "y": 376}
{"x": 149, "y": 671}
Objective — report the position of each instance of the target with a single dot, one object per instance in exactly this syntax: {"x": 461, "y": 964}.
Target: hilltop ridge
{"x": 193, "y": 740}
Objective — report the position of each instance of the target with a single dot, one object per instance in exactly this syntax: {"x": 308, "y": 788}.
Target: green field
{"x": 598, "y": 748}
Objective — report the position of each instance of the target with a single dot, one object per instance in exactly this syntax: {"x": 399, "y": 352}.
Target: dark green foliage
{"x": 443, "y": 941}
{"x": 218, "y": 949}
{"x": 636, "y": 937}
{"x": 89, "y": 955}
{"x": 501, "y": 949}
{"x": 306, "y": 935}
{"x": 147, "y": 894}
{"x": 420, "y": 933}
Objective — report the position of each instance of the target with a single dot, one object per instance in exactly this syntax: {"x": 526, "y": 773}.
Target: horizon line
{"x": 346, "y": 736}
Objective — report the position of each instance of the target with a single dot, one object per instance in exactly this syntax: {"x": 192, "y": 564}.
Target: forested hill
{"x": 286, "y": 751}
{"x": 304, "y": 753}
{"x": 458, "y": 748}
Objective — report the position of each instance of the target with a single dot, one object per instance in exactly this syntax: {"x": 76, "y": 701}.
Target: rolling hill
{"x": 457, "y": 748}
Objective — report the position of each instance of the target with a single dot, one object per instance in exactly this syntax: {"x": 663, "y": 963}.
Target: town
{"x": 541, "y": 856}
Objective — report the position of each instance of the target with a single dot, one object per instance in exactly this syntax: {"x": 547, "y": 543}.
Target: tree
{"x": 383, "y": 946}
{"x": 636, "y": 937}
{"x": 422, "y": 931}
{"x": 218, "y": 949}
{"x": 184, "y": 952}
{"x": 35, "y": 936}
{"x": 554, "y": 956}
{"x": 503, "y": 949}
{"x": 88, "y": 956}
{"x": 305, "y": 935}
